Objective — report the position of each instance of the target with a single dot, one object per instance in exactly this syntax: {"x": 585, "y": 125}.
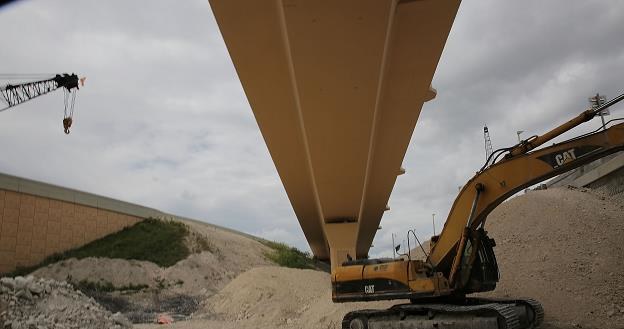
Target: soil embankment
{"x": 141, "y": 289}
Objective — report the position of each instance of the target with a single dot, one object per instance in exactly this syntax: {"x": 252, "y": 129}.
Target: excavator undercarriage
{"x": 468, "y": 313}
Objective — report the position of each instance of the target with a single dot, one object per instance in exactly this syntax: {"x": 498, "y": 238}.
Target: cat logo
{"x": 565, "y": 157}
{"x": 560, "y": 158}
{"x": 369, "y": 289}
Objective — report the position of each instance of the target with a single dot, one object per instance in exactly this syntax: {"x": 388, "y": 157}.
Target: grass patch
{"x": 287, "y": 256}
{"x": 158, "y": 241}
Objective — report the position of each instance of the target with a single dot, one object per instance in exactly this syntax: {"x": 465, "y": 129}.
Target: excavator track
{"x": 475, "y": 313}
{"x": 534, "y": 315}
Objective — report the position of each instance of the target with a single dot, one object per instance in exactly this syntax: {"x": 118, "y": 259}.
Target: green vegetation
{"x": 287, "y": 256}
{"x": 158, "y": 241}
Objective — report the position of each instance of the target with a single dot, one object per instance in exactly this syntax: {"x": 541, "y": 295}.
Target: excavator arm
{"x": 488, "y": 188}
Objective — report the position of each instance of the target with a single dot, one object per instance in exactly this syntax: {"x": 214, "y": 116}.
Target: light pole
{"x": 433, "y": 221}
{"x": 393, "y": 248}
{"x": 518, "y": 133}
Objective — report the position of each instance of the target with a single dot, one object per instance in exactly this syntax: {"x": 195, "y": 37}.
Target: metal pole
{"x": 393, "y": 248}
{"x": 433, "y": 221}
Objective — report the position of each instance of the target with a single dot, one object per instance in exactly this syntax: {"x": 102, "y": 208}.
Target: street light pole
{"x": 393, "y": 248}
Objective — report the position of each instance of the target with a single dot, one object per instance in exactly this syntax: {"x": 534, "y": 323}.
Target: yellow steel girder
{"x": 336, "y": 88}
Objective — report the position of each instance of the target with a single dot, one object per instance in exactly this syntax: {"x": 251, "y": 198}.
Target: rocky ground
{"x": 28, "y": 303}
{"x": 560, "y": 246}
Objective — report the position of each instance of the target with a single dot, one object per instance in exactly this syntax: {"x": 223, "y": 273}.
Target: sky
{"x": 162, "y": 120}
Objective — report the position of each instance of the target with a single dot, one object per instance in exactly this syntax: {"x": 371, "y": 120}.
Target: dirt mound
{"x": 201, "y": 273}
{"x": 564, "y": 248}
{"x": 141, "y": 289}
{"x": 277, "y": 297}
{"x": 125, "y": 272}
{"x": 417, "y": 253}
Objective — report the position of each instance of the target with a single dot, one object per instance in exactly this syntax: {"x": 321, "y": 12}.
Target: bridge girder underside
{"x": 336, "y": 88}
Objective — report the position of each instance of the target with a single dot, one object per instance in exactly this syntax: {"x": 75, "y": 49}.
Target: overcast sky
{"x": 163, "y": 121}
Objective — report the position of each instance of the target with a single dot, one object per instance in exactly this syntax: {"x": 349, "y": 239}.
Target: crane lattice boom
{"x": 15, "y": 94}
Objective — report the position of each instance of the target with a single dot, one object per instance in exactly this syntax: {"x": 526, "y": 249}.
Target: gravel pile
{"x": 29, "y": 303}
{"x": 564, "y": 248}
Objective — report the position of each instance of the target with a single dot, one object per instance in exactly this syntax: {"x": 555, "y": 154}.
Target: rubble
{"x": 29, "y": 303}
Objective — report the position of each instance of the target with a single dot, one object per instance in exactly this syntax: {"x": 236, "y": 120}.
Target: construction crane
{"x": 14, "y": 94}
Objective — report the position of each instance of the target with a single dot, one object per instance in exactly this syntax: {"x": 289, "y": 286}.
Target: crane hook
{"x": 67, "y": 122}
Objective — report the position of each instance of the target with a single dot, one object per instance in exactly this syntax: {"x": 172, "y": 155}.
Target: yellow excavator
{"x": 461, "y": 260}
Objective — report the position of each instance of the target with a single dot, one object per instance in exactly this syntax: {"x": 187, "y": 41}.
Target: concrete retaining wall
{"x": 39, "y": 219}
{"x": 611, "y": 184}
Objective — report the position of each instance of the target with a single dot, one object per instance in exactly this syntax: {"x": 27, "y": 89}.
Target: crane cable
{"x": 69, "y": 109}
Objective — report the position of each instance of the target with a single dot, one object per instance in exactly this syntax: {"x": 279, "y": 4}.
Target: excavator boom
{"x": 507, "y": 177}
